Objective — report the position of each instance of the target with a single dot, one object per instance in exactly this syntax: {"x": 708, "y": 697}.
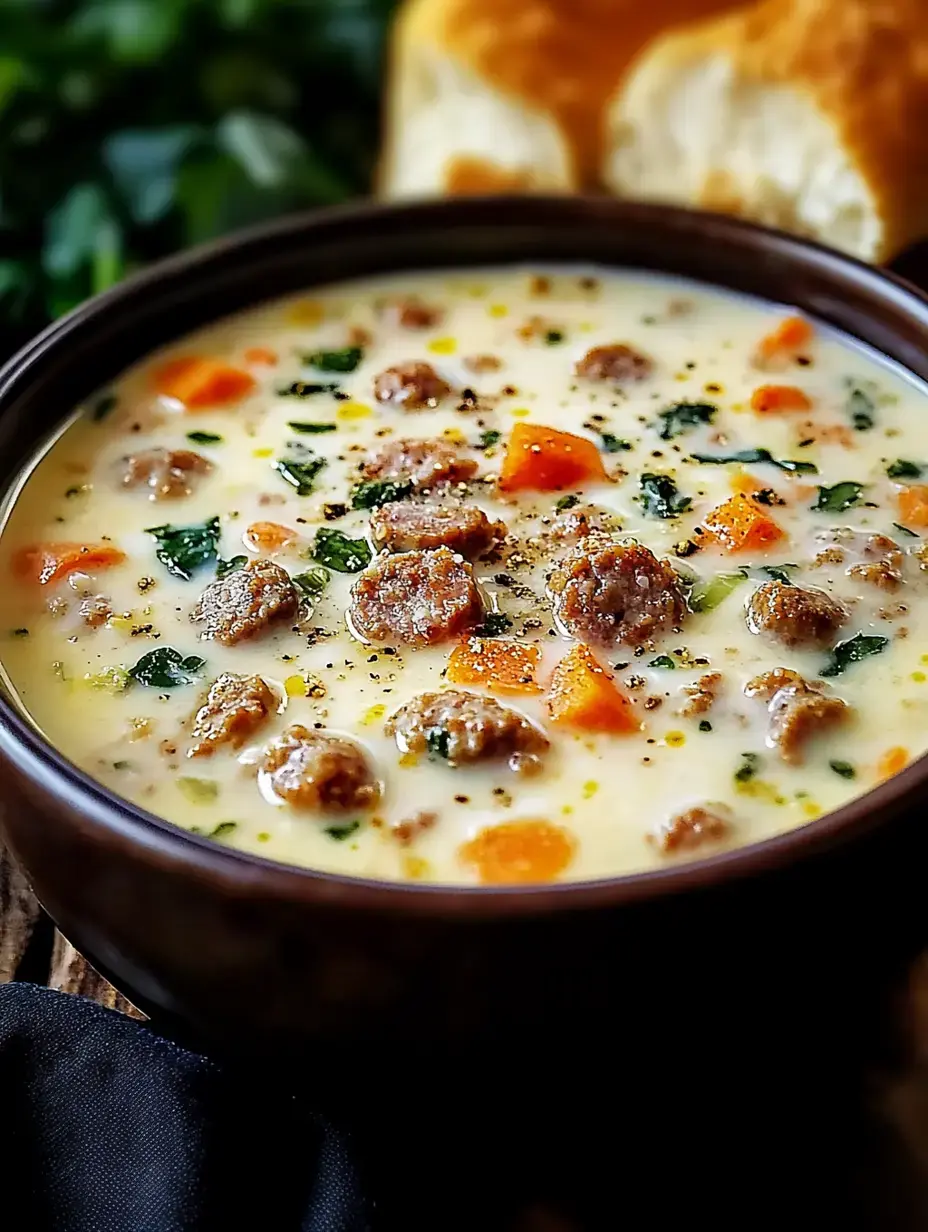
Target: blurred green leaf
{"x": 76, "y": 227}
{"x": 134, "y": 31}
{"x": 144, "y": 166}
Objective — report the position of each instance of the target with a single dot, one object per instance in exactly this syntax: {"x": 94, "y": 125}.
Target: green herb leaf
{"x": 750, "y": 764}
{"x": 312, "y": 583}
{"x": 553, "y": 337}
{"x": 664, "y": 661}
{"x": 705, "y": 725}
{"x": 911, "y": 534}
{"x": 706, "y": 596}
{"x": 377, "y": 492}
{"x": 223, "y": 830}
{"x": 614, "y": 444}
{"x": 344, "y": 360}
{"x": 185, "y": 549}
{"x": 660, "y": 498}
{"x": 779, "y": 572}
{"x": 307, "y": 389}
{"x": 839, "y": 497}
{"x": 197, "y": 791}
{"x": 103, "y": 407}
{"x": 227, "y": 566}
{"x": 489, "y": 438}
{"x": 861, "y": 409}
{"x": 677, "y": 419}
{"x": 902, "y": 469}
{"x": 844, "y": 769}
{"x": 300, "y": 473}
{"x": 340, "y": 833}
{"x": 336, "y": 551}
{"x": 438, "y": 742}
{"x": 860, "y": 646}
{"x": 311, "y": 429}
{"x": 204, "y": 438}
{"x": 166, "y": 668}
{"x": 757, "y": 455}
{"x": 494, "y": 623}
{"x": 566, "y": 502}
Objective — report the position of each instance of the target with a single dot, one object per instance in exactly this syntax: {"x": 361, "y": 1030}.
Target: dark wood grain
{"x": 70, "y": 972}
{"x": 19, "y": 914}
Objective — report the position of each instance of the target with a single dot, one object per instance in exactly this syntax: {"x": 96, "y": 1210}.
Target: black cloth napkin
{"x": 107, "y": 1127}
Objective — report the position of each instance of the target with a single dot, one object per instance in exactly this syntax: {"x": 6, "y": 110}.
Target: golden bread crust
{"x": 864, "y": 66}
{"x": 564, "y": 58}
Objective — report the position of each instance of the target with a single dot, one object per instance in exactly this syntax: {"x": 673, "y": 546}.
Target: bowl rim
{"x": 107, "y": 816}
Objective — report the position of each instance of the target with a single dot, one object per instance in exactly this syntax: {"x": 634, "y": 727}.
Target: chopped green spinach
{"x": 300, "y": 473}
{"x": 860, "y": 646}
{"x": 839, "y": 497}
{"x": 185, "y": 549}
{"x": 664, "y": 661}
{"x": 312, "y": 583}
{"x": 614, "y": 444}
{"x": 566, "y": 502}
{"x": 340, "y": 833}
{"x": 750, "y": 764}
{"x": 346, "y": 359}
{"x": 103, "y": 407}
{"x": 757, "y": 455}
{"x": 706, "y": 596}
{"x": 197, "y": 791}
{"x": 844, "y": 769}
{"x": 336, "y": 551}
{"x": 553, "y": 337}
{"x": 306, "y": 389}
{"x": 228, "y": 566}
{"x": 166, "y": 668}
{"x": 779, "y": 572}
{"x": 204, "y": 438}
{"x": 489, "y": 438}
{"x": 660, "y": 497}
{"x": 903, "y": 469}
{"x": 494, "y": 623}
{"x": 705, "y": 725}
{"x": 376, "y": 492}
{"x": 223, "y": 830}
{"x": 438, "y": 742}
{"x": 861, "y": 408}
{"x": 911, "y": 534}
{"x": 676, "y": 419}
{"x": 311, "y": 429}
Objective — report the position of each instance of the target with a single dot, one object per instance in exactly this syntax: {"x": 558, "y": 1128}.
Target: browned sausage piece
{"x": 608, "y": 593}
{"x": 245, "y": 602}
{"x": 423, "y": 463}
{"x": 412, "y": 386}
{"x": 883, "y": 564}
{"x": 316, "y": 770}
{"x": 410, "y": 312}
{"x": 235, "y": 707}
{"x": 463, "y": 727}
{"x": 794, "y": 616}
{"x": 575, "y": 524}
{"x": 617, "y": 362}
{"x": 166, "y": 473}
{"x": 798, "y": 710}
{"x": 693, "y": 828}
{"x": 402, "y": 526}
{"x": 701, "y": 695}
{"x": 417, "y": 598}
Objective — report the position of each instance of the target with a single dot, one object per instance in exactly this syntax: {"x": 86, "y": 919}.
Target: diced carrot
{"x": 506, "y": 667}
{"x": 268, "y": 537}
{"x": 519, "y": 852}
{"x": 260, "y": 355}
{"x": 741, "y": 525}
{"x": 745, "y": 482}
{"x": 787, "y": 339}
{"x": 892, "y": 761}
{"x": 49, "y": 562}
{"x": 767, "y": 399}
{"x": 199, "y": 382}
{"x": 547, "y": 460}
{"x": 584, "y": 695}
{"x": 913, "y": 505}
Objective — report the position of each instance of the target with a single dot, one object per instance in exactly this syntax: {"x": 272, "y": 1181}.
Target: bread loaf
{"x": 510, "y": 95}
{"x": 810, "y": 115}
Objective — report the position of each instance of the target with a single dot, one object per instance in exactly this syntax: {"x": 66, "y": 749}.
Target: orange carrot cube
{"x": 546, "y": 460}
{"x": 506, "y": 667}
{"x": 200, "y": 382}
{"x": 519, "y": 852}
{"x": 767, "y": 399}
{"x": 49, "y": 562}
{"x": 741, "y": 525}
{"x": 584, "y": 695}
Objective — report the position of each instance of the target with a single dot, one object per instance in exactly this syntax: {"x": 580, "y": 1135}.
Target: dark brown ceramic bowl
{"x": 239, "y": 948}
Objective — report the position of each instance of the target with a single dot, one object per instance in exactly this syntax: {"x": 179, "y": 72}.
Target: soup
{"x": 503, "y": 576}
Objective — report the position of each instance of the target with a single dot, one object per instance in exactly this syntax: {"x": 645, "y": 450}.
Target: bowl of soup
{"x": 399, "y": 602}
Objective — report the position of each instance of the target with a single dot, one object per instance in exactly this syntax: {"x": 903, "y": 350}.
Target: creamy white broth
{"x": 610, "y": 793}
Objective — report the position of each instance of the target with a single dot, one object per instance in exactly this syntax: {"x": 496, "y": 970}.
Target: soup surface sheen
{"x": 740, "y": 492}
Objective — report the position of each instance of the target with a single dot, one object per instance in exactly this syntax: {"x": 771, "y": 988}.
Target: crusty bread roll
{"x": 810, "y": 115}
{"x": 509, "y": 95}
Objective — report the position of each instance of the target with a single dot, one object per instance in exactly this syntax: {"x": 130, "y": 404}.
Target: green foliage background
{"x": 132, "y": 128}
